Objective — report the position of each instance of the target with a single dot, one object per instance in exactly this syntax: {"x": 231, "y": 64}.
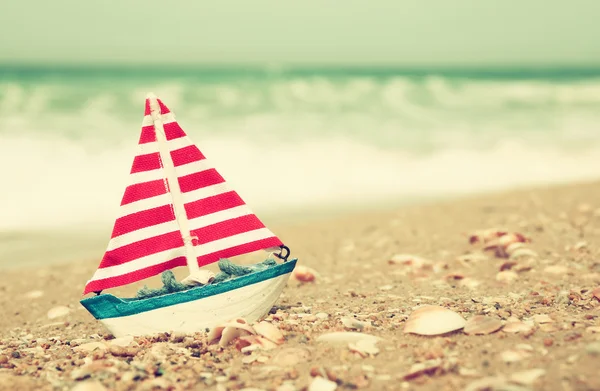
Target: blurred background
{"x": 300, "y": 105}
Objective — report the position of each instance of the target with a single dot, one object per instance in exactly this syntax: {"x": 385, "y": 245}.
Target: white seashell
{"x": 506, "y": 276}
{"x": 90, "y": 347}
{"x": 364, "y": 347}
{"x": 89, "y": 385}
{"x": 542, "y": 318}
{"x": 57, "y": 312}
{"x": 353, "y": 323}
{"x": 516, "y": 326}
{"x": 514, "y": 355}
{"x": 34, "y": 294}
{"x": 523, "y": 253}
{"x": 269, "y": 331}
{"x": 321, "y": 384}
{"x": 556, "y": 269}
{"x": 231, "y": 333}
{"x": 528, "y": 377}
{"x": 480, "y": 324}
{"x": 433, "y": 320}
{"x": 217, "y": 332}
{"x": 257, "y": 342}
{"x": 201, "y": 277}
{"x": 345, "y": 337}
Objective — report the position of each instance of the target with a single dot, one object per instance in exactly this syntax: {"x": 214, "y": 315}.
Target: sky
{"x": 388, "y": 32}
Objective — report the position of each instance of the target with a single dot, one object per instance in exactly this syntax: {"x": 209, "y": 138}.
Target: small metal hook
{"x": 287, "y": 253}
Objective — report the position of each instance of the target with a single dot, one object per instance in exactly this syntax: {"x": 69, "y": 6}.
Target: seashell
{"x": 34, "y": 294}
{"x": 90, "y": 347}
{"x": 514, "y": 355}
{"x": 481, "y": 325}
{"x": 409, "y": 260}
{"x": 345, "y": 337}
{"x": 199, "y": 278}
{"x": 321, "y": 384}
{"x": 433, "y": 320}
{"x": 256, "y": 342}
{"x": 523, "y": 253}
{"x": 304, "y": 274}
{"x": 507, "y": 265}
{"x": 485, "y": 235}
{"x": 507, "y": 276}
{"x": 231, "y": 333}
{"x": 57, "y": 312}
{"x": 269, "y": 331}
{"x": 542, "y": 318}
{"x": 422, "y": 368}
{"x": 490, "y": 383}
{"x": 516, "y": 326}
{"x": 511, "y": 248}
{"x": 89, "y": 385}
{"x": 122, "y": 341}
{"x": 217, "y": 332}
{"x": 596, "y": 293}
{"x": 364, "y": 347}
{"x": 353, "y": 323}
{"x": 528, "y": 377}
{"x": 593, "y": 329}
{"x": 556, "y": 269}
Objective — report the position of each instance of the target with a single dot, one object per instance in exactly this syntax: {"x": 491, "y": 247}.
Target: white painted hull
{"x": 251, "y": 302}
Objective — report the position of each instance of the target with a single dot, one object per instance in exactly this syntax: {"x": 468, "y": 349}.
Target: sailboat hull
{"x": 249, "y": 297}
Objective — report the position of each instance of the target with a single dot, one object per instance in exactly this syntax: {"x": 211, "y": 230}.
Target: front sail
{"x": 146, "y": 238}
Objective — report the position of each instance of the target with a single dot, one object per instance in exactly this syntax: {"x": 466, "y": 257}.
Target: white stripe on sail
{"x": 141, "y": 234}
{"x": 145, "y": 204}
{"x": 186, "y": 169}
{"x": 171, "y": 226}
{"x": 219, "y": 217}
{"x": 138, "y": 264}
{"x": 232, "y": 241}
{"x": 172, "y": 145}
{"x": 205, "y": 192}
{"x": 166, "y": 119}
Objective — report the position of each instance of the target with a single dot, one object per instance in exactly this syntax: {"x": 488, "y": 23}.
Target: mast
{"x": 171, "y": 175}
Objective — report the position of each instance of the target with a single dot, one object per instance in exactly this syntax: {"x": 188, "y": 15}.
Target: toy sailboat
{"x": 178, "y": 210}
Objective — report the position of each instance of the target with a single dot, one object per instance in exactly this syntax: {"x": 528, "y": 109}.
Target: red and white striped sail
{"x": 147, "y": 238}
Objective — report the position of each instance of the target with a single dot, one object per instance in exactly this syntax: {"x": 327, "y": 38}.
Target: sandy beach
{"x": 373, "y": 269}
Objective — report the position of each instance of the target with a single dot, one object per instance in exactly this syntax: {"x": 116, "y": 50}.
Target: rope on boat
{"x": 228, "y": 270}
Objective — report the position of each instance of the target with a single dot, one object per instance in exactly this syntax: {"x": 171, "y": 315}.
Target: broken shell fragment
{"x": 433, "y": 320}
{"x": 523, "y": 253}
{"x": 485, "y": 235}
{"x": 481, "y": 325}
{"x": 269, "y": 331}
{"x": 249, "y": 343}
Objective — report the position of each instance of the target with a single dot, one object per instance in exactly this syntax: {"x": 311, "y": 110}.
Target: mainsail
{"x": 147, "y": 238}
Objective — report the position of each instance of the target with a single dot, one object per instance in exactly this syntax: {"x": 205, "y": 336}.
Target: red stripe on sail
{"x": 142, "y": 248}
{"x": 128, "y": 278}
{"x": 143, "y": 219}
{"x": 226, "y": 229}
{"x": 147, "y": 110}
{"x": 186, "y": 155}
{"x": 147, "y": 162}
{"x": 173, "y": 131}
{"x": 141, "y": 191}
{"x": 148, "y": 135}
{"x": 163, "y": 109}
{"x": 199, "y": 180}
{"x": 213, "y": 204}
{"x": 239, "y": 250}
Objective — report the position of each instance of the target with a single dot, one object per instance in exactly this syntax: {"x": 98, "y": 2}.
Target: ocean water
{"x": 293, "y": 139}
